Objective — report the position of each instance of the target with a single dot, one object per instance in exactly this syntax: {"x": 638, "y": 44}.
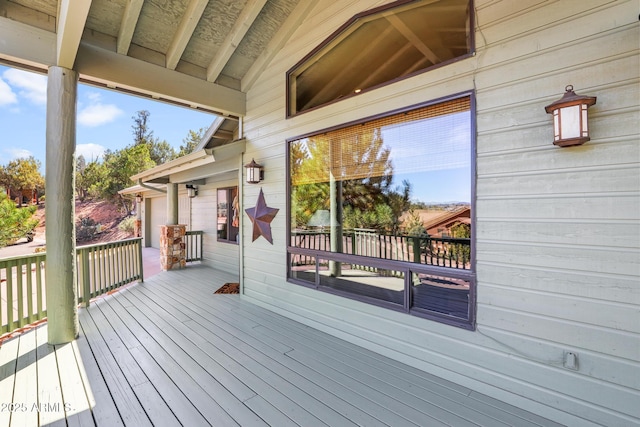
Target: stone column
{"x": 137, "y": 229}
{"x": 172, "y": 247}
{"x": 60, "y": 275}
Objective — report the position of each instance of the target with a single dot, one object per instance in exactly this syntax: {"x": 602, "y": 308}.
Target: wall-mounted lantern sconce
{"x": 570, "y": 125}
{"x": 139, "y": 198}
{"x": 192, "y": 191}
{"x": 255, "y": 172}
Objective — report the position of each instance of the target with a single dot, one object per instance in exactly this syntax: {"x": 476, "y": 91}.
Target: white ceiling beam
{"x": 292, "y": 23}
{"x": 185, "y": 30}
{"x": 109, "y": 68}
{"x": 128, "y": 25}
{"x": 244, "y": 22}
{"x": 71, "y": 22}
{"x": 342, "y": 75}
{"x": 413, "y": 38}
{"x": 27, "y": 45}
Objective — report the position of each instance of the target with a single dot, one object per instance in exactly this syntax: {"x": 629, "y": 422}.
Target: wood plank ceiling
{"x": 181, "y": 51}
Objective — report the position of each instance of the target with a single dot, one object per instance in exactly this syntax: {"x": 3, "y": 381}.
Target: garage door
{"x": 158, "y": 218}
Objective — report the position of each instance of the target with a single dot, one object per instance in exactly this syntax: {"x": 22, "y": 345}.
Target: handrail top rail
{"x": 44, "y": 254}
{"x": 350, "y": 232}
{"x": 132, "y": 239}
{"x": 18, "y": 257}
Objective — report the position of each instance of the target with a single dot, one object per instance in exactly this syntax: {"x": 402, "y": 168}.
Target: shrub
{"x": 87, "y": 229}
{"x": 128, "y": 224}
{"x": 15, "y": 223}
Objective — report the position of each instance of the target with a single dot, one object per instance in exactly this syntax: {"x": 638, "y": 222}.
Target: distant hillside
{"x": 105, "y": 213}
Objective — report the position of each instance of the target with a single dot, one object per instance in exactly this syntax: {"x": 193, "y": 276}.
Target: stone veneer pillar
{"x": 172, "y": 247}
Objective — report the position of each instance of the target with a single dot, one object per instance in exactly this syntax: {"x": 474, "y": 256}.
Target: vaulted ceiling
{"x": 204, "y": 54}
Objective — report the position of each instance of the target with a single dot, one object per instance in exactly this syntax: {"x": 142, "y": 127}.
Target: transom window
{"x": 381, "y": 210}
{"x": 379, "y": 46}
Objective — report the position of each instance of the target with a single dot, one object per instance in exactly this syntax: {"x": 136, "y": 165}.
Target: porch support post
{"x": 172, "y": 203}
{"x": 60, "y": 274}
{"x": 335, "y": 201}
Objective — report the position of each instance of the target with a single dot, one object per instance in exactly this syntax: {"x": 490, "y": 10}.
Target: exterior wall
{"x": 198, "y": 213}
{"x": 557, "y": 228}
{"x": 220, "y": 255}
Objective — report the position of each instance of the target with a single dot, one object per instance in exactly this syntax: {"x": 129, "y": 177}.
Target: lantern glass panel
{"x": 556, "y": 124}
{"x": 585, "y": 126}
{"x": 570, "y": 122}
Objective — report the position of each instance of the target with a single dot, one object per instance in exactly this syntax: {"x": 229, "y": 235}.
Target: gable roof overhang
{"x": 201, "y": 164}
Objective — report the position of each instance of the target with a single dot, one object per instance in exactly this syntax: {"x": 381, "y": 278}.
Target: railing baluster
{"x": 19, "y": 284}
{"x": 40, "y": 266}
{"x": 9, "y": 283}
{"x": 86, "y": 277}
{"x": 3, "y": 282}
{"x": 29, "y": 273}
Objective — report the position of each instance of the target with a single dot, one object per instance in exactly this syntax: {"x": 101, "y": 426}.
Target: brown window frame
{"x": 409, "y": 269}
{"x": 363, "y": 15}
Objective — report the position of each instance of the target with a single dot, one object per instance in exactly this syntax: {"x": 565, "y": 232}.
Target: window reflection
{"x": 363, "y": 281}
{"x": 397, "y": 188}
{"x": 303, "y": 268}
{"x": 441, "y": 294}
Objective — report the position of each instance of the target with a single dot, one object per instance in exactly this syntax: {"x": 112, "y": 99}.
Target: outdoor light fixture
{"x": 255, "y": 172}
{"x": 139, "y": 198}
{"x": 570, "y": 126}
{"x": 192, "y": 191}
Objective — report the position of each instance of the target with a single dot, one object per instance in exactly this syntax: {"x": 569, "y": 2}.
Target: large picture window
{"x": 381, "y": 210}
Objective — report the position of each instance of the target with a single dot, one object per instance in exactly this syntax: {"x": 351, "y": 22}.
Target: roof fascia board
{"x": 113, "y": 70}
{"x": 24, "y": 44}
{"x": 210, "y": 132}
{"x": 175, "y": 165}
{"x": 171, "y": 171}
{"x": 206, "y": 172}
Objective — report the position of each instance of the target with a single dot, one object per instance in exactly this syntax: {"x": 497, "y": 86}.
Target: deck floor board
{"x": 169, "y": 352}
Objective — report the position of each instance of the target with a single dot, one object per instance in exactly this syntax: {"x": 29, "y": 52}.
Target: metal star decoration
{"x": 261, "y": 217}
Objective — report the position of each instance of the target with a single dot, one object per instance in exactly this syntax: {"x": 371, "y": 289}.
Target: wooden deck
{"x": 169, "y": 352}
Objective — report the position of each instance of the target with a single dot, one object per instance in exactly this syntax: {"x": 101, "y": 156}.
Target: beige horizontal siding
{"x": 558, "y": 229}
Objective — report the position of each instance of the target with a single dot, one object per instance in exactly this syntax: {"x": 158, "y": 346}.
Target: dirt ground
{"x": 105, "y": 213}
{"x": 102, "y": 212}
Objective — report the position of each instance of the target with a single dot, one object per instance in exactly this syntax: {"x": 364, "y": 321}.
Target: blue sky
{"x": 104, "y": 118}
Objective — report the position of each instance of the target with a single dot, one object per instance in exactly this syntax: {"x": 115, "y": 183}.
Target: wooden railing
{"x": 438, "y": 251}
{"x": 193, "y": 245}
{"x": 107, "y": 266}
{"x": 22, "y": 291}
{"x": 100, "y": 268}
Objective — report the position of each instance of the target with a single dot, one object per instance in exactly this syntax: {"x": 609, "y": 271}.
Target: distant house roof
{"x": 448, "y": 219}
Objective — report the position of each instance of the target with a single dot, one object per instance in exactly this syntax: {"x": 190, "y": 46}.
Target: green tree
{"x": 191, "y": 142}
{"x": 119, "y": 166}
{"x": 141, "y": 132}
{"x": 461, "y": 251}
{"x": 159, "y": 151}
{"x": 22, "y": 174}
{"x": 364, "y": 172}
{"x": 90, "y": 178}
{"x": 15, "y": 222}
{"x": 413, "y": 225}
